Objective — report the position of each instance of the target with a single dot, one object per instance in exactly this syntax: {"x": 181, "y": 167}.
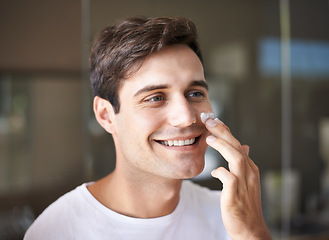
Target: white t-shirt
{"x": 78, "y": 215}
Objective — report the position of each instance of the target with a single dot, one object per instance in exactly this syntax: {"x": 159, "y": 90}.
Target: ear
{"x": 104, "y": 114}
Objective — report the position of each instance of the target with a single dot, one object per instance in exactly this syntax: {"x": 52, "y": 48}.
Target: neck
{"x": 140, "y": 198}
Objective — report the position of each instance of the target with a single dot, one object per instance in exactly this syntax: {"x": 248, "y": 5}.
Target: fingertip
{"x": 219, "y": 121}
{"x": 216, "y": 173}
{"x": 210, "y": 139}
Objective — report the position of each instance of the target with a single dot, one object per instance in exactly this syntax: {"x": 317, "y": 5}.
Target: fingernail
{"x": 210, "y": 138}
{"x": 218, "y": 121}
{"x": 211, "y": 123}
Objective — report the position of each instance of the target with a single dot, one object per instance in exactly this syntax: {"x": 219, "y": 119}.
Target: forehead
{"x": 175, "y": 65}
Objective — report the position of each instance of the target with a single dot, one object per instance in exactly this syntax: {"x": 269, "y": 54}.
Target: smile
{"x": 178, "y": 143}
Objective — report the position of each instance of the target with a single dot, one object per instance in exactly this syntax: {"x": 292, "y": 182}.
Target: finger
{"x": 253, "y": 178}
{"x": 240, "y": 164}
{"x": 252, "y": 173}
{"x": 213, "y": 122}
{"x": 236, "y": 161}
{"x": 246, "y": 149}
{"x": 220, "y": 130}
{"x": 229, "y": 181}
{"x": 254, "y": 167}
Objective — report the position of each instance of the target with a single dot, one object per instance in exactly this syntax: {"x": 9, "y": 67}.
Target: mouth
{"x": 179, "y": 142}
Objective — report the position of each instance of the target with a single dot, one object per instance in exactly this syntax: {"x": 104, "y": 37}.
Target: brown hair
{"x": 119, "y": 51}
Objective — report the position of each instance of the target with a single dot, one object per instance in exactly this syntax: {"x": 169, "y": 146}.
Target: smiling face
{"x": 158, "y": 131}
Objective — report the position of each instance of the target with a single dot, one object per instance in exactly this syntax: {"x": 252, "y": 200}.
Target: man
{"x": 150, "y": 91}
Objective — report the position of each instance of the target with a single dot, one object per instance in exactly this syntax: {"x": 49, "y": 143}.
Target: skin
{"x": 241, "y": 194}
{"x": 163, "y": 102}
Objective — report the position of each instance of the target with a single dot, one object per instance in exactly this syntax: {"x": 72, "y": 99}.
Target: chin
{"x": 192, "y": 171}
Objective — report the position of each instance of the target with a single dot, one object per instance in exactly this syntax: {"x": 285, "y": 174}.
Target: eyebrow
{"x": 151, "y": 88}
{"x": 200, "y": 83}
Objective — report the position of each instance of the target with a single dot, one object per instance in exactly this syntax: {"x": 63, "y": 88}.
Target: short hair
{"x": 119, "y": 51}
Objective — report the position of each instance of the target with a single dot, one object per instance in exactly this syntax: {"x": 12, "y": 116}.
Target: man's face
{"x": 158, "y": 131}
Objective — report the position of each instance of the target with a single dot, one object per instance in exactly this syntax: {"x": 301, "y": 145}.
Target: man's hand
{"x": 241, "y": 195}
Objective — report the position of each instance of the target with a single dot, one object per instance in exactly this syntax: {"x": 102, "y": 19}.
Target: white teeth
{"x": 179, "y": 143}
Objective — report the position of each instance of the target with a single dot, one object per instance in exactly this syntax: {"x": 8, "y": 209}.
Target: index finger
{"x": 220, "y": 130}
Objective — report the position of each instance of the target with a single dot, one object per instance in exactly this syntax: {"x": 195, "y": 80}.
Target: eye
{"x": 195, "y": 94}
{"x": 155, "y": 99}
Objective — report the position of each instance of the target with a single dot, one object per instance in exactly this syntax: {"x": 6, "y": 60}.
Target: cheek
{"x": 148, "y": 121}
{"x": 143, "y": 123}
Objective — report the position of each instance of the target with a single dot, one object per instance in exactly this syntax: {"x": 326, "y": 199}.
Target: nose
{"x": 181, "y": 113}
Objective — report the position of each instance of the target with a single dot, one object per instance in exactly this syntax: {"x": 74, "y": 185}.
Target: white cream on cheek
{"x": 205, "y": 116}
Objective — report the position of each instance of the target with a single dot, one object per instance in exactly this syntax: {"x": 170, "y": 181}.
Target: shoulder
{"x": 54, "y": 217}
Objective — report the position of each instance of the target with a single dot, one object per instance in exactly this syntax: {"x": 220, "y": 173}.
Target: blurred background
{"x": 267, "y": 64}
